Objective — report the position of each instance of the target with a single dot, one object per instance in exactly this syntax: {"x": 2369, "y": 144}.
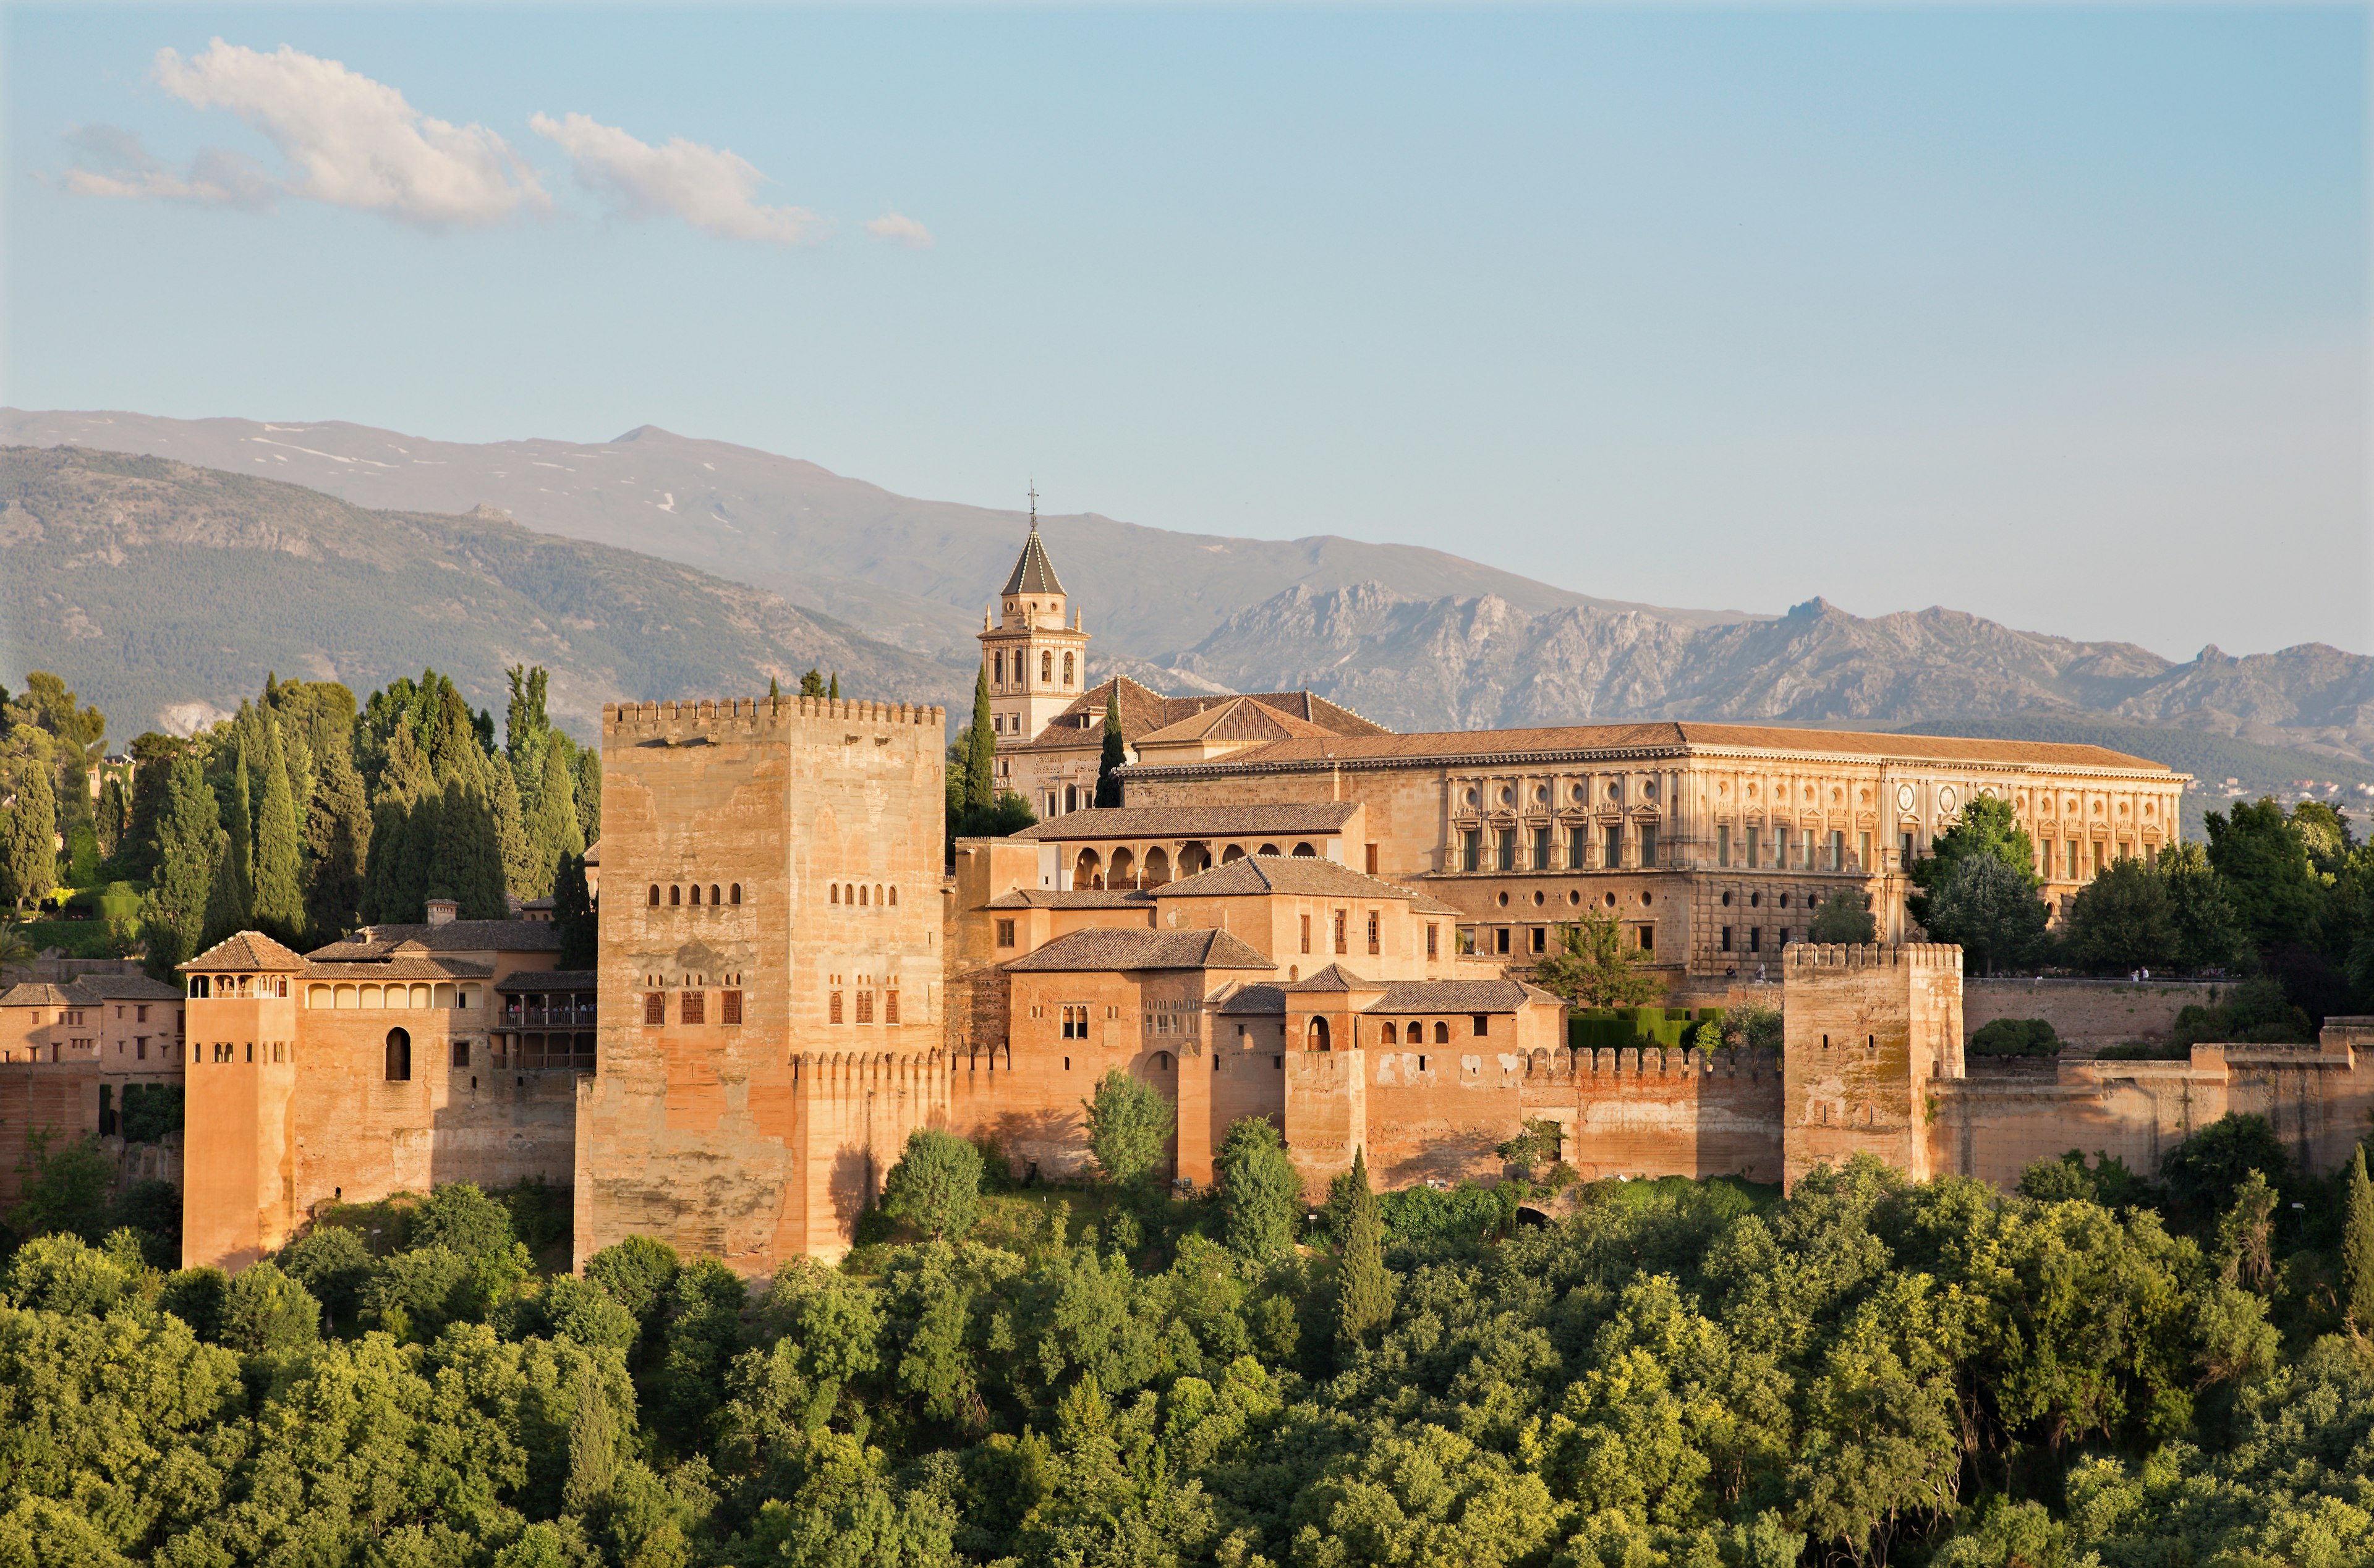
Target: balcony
{"x": 534, "y": 1012}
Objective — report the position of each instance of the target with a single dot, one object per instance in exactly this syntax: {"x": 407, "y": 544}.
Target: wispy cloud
{"x": 901, "y": 230}
{"x": 709, "y": 188}
{"x": 118, "y": 166}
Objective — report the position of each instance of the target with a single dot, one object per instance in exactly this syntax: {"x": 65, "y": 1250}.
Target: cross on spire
{"x": 1034, "y": 505}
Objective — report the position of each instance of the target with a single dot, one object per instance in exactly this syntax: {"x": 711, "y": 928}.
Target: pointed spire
{"x": 1033, "y": 573}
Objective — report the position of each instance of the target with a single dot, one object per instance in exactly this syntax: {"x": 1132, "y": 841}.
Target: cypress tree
{"x": 397, "y": 874}
{"x": 774, "y": 692}
{"x": 1364, "y": 1291}
{"x": 227, "y": 909}
{"x": 573, "y": 911}
{"x": 519, "y": 871}
{"x": 589, "y": 796}
{"x": 593, "y": 1448}
{"x": 552, "y": 830}
{"x": 189, "y": 841}
{"x": 279, "y": 903}
{"x": 241, "y": 866}
{"x": 833, "y": 690}
{"x": 2357, "y": 1247}
{"x": 28, "y": 858}
{"x": 1115, "y": 754}
{"x": 337, "y": 829}
{"x": 812, "y": 684}
{"x": 980, "y": 752}
{"x": 466, "y": 863}
{"x": 152, "y": 775}
{"x": 114, "y": 816}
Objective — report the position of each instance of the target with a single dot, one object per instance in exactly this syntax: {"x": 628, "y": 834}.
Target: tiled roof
{"x": 1258, "y": 998}
{"x": 247, "y": 950}
{"x": 126, "y": 988}
{"x": 454, "y": 936}
{"x": 520, "y": 980}
{"x": 1194, "y": 822}
{"x": 1487, "y": 745}
{"x": 1244, "y": 720}
{"x": 1033, "y": 572}
{"x": 40, "y": 993}
{"x": 1130, "y": 949}
{"x": 1458, "y": 996}
{"x": 1146, "y": 712}
{"x": 1335, "y": 977}
{"x": 1260, "y": 874}
{"x": 406, "y": 968}
{"x": 1071, "y": 898}
{"x": 1427, "y": 904}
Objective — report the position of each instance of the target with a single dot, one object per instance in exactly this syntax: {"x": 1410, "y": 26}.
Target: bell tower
{"x": 1037, "y": 664}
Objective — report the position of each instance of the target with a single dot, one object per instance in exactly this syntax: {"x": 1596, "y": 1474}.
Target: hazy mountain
{"x": 1477, "y": 662}
{"x": 916, "y": 573}
{"x": 164, "y": 592}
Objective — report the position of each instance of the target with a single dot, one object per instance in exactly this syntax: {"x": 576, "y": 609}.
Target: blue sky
{"x": 2059, "y": 316}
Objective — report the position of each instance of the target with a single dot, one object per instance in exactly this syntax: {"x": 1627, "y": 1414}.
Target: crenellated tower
{"x": 1037, "y": 663}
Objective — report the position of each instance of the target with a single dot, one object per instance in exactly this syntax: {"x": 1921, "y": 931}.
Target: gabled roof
{"x": 1335, "y": 979}
{"x": 40, "y": 993}
{"x": 249, "y": 951}
{"x": 1130, "y": 949}
{"x": 1245, "y": 721}
{"x": 520, "y": 980}
{"x": 1070, "y": 899}
{"x": 375, "y": 943}
{"x": 1257, "y": 999}
{"x": 1147, "y": 712}
{"x": 1194, "y": 822}
{"x": 1459, "y": 996}
{"x": 1258, "y": 875}
{"x": 1033, "y": 572}
{"x": 405, "y": 967}
{"x": 126, "y": 988}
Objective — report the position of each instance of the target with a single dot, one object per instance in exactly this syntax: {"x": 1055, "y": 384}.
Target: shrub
{"x": 640, "y": 1271}
{"x": 936, "y": 1186}
{"x": 2015, "y": 1036}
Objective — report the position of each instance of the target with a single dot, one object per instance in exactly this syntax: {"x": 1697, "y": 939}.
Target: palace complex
{"x": 1295, "y": 915}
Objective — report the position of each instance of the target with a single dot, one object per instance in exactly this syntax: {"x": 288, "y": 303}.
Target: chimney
{"x": 443, "y": 910}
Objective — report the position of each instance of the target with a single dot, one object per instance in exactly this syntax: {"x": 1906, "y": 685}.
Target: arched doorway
{"x": 1124, "y": 869}
{"x": 399, "y": 1057}
{"x": 1158, "y": 866}
{"x": 1232, "y": 854}
{"x": 1086, "y": 871}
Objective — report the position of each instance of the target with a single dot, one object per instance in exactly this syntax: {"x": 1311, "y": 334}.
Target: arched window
{"x": 399, "y": 1057}
{"x": 1267, "y": 850}
{"x": 712, "y": 893}
{"x": 1046, "y": 668}
{"x": 861, "y": 893}
{"x": 695, "y": 896}
{"x": 836, "y": 893}
{"x": 1000, "y": 676}
{"x": 1067, "y": 669}
{"x": 894, "y": 898}
{"x": 655, "y": 896}
{"x": 1319, "y": 1035}
{"x": 1232, "y": 854}
{"x": 734, "y": 894}
{"x": 1442, "y": 1032}
{"x": 877, "y": 896}
{"x": 1392, "y": 1037}
{"x": 676, "y": 895}
{"x": 1304, "y": 851}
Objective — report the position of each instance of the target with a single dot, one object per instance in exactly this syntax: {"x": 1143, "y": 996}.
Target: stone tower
{"x": 1867, "y": 1030}
{"x": 1037, "y": 664}
{"x": 770, "y": 972}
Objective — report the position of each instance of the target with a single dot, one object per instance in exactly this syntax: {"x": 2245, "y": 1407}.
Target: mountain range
{"x": 778, "y": 564}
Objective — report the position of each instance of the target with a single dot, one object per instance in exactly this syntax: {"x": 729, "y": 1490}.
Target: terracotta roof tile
{"x": 249, "y": 951}
{"x": 40, "y": 993}
{"x": 1033, "y": 572}
{"x": 1194, "y": 822}
{"x": 454, "y": 936}
{"x": 407, "y": 968}
{"x": 126, "y": 988}
{"x": 1335, "y": 977}
{"x": 1458, "y": 996}
{"x": 1130, "y": 949}
{"x": 1071, "y": 898}
{"x": 1145, "y": 712}
{"x": 520, "y": 980}
{"x": 1258, "y": 875}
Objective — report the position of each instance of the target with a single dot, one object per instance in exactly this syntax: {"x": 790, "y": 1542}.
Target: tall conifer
{"x": 188, "y": 842}
{"x": 980, "y": 751}
{"x": 833, "y": 690}
{"x": 337, "y": 830}
{"x": 1115, "y": 755}
{"x": 227, "y": 909}
{"x": 279, "y": 903}
{"x": 1364, "y": 1291}
{"x": 240, "y": 865}
{"x": 2357, "y": 1246}
{"x": 29, "y": 851}
{"x": 519, "y": 871}
{"x": 466, "y": 863}
{"x": 552, "y": 829}
{"x": 573, "y": 911}
{"x": 589, "y": 795}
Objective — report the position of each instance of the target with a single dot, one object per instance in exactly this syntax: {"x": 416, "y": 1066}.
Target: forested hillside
{"x": 161, "y": 590}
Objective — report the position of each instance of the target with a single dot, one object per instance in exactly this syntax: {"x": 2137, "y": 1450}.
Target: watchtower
{"x": 1867, "y": 1030}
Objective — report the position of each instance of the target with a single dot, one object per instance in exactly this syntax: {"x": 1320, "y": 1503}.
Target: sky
{"x": 2058, "y": 316}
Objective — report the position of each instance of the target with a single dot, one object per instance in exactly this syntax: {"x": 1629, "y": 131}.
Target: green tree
{"x": 589, "y": 795}
{"x": 2275, "y": 887}
{"x": 1990, "y": 909}
{"x": 337, "y": 830}
{"x": 1363, "y": 1290}
{"x": 553, "y": 830}
{"x": 190, "y": 842}
{"x": 1115, "y": 755}
{"x": 1844, "y": 918}
{"x": 238, "y": 867}
{"x": 2357, "y": 1246}
{"x": 936, "y": 1186}
{"x": 227, "y": 912}
{"x": 114, "y": 816}
{"x": 832, "y": 688}
{"x": 264, "y": 1310}
{"x": 1128, "y": 1122}
{"x": 2120, "y": 921}
{"x": 1593, "y": 967}
{"x": 28, "y": 860}
{"x": 466, "y": 863}
{"x": 279, "y": 907}
{"x": 1260, "y": 1190}
{"x": 812, "y": 684}
{"x": 521, "y": 876}
{"x": 153, "y": 755}
{"x": 1988, "y": 826}
{"x": 2205, "y": 1172}
{"x": 572, "y": 912}
{"x": 641, "y": 1271}
{"x": 981, "y": 749}
{"x": 67, "y": 1189}
{"x": 2208, "y": 931}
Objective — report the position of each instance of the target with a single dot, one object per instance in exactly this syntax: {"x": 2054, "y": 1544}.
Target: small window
{"x": 460, "y": 1053}
{"x": 1500, "y": 939}
{"x": 734, "y": 894}
{"x": 140, "y": 1014}
{"x": 399, "y": 1057}
{"x": 695, "y": 899}
{"x": 712, "y": 893}
{"x": 1006, "y": 934}
{"x": 1442, "y": 1032}
{"x": 1392, "y": 1032}
{"x": 1376, "y": 933}
{"x": 865, "y": 1007}
{"x": 655, "y": 896}
{"x": 836, "y": 1007}
{"x": 1726, "y": 939}
{"x": 676, "y": 895}
{"x": 862, "y": 892}
{"x": 1306, "y": 933}
{"x": 729, "y": 1007}
{"x": 654, "y": 1008}
{"x": 890, "y": 1007}
{"x": 694, "y": 1008}
{"x": 894, "y": 898}
{"x": 1430, "y": 942}
{"x": 1483, "y": 1025}
{"x": 836, "y": 893}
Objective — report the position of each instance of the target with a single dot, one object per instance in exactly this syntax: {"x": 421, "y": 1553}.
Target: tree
{"x": 552, "y": 828}
{"x": 1128, "y": 1123}
{"x": 1593, "y": 968}
{"x": 190, "y": 842}
{"x": 2208, "y": 931}
{"x": 236, "y": 896}
{"x": 467, "y": 856}
{"x": 936, "y": 1186}
{"x": 1844, "y": 918}
{"x": 980, "y": 751}
{"x": 1990, "y": 909}
{"x": 152, "y": 772}
{"x": 1364, "y": 1291}
{"x": 1260, "y": 1190}
{"x": 1988, "y": 826}
{"x": 573, "y": 911}
{"x": 264, "y": 1310}
{"x": 66, "y": 1187}
{"x": 279, "y": 907}
{"x": 114, "y": 816}
{"x": 2275, "y": 887}
{"x": 1116, "y": 755}
{"x": 521, "y": 876}
{"x": 774, "y": 692}
{"x": 28, "y": 856}
{"x": 832, "y": 688}
{"x": 812, "y": 684}
{"x": 2206, "y": 1171}
{"x": 2120, "y": 921}
{"x": 2357, "y": 1246}
{"x": 1535, "y": 1146}
{"x": 589, "y": 795}
{"x": 337, "y": 829}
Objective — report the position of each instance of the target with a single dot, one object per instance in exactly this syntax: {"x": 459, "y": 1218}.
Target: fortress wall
{"x": 2086, "y": 1013}
{"x": 1654, "y": 1113}
{"x": 1869, "y": 1029}
{"x": 62, "y": 1095}
{"x": 1441, "y": 1121}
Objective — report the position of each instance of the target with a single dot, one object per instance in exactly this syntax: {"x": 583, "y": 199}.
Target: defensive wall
{"x": 2087, "y": 1013}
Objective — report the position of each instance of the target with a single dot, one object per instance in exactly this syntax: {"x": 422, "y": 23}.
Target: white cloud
{"x": 349, "y": 141}
{"x": 708, "y": 187}
{"x": 901, "y": 230}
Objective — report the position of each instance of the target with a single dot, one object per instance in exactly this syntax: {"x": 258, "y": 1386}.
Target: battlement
{"x": 754, "y": 714}
{"x": 1613, "y": 1065}
{"x": 1873, "y": 955}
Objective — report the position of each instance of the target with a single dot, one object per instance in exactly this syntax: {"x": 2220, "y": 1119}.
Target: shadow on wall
{"x": 1462, "y": 1155}
{"x": 851, "y": 1186}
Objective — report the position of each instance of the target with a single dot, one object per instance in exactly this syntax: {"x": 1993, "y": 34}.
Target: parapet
{"x": 1649, "y": 1061}
{"x": 755, "y": 715}
{"x": 1807, "y": 955}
